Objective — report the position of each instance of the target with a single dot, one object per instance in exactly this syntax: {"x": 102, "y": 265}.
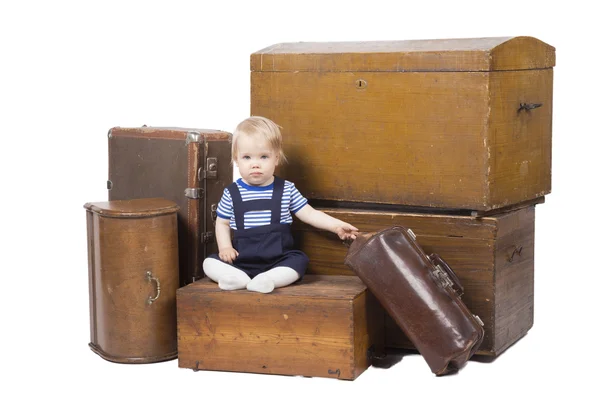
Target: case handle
{"x": 149, "y": 277}
{"x": 528, "y": 106}
{"x": 517, "y": 250}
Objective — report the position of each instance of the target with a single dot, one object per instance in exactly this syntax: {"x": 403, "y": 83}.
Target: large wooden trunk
{"x": 133, "y": 277}
{"x": 462, "y": 123}
{"x": 188, "y": 166}
{"x": 327, "y": 326}
{"x": 492, "y": 256}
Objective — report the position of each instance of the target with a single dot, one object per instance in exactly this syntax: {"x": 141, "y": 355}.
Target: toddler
{"x": 259, "y": 207}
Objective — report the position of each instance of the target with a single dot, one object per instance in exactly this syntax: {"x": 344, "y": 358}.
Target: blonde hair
{"x": 257, "y": 126}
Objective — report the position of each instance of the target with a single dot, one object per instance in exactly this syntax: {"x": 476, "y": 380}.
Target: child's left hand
{"x": 345, "y": 230}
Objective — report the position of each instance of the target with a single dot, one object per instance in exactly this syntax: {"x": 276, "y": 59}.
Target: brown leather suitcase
{"x": 133, "y": 277}
{"x": 493, "y": 257}
{"x": 421, "y": 293}
{"x": 188, "y": 166}
{"x": 448, "y": 123}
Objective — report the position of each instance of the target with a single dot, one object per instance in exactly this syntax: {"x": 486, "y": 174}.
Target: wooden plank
{"x": 460, "y": 54}
{"x": 509, "y": 208}
{"x": 387, "y": 143}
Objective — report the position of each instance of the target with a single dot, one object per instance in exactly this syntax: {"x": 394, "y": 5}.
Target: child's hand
{"x": 345, "y": 230}
{"x": 228, "y": 255}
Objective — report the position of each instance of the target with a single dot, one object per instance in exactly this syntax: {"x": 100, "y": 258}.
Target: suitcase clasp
{"x": 442, "y": 278}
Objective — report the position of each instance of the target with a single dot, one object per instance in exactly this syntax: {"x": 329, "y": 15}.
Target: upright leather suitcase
{"x": 448, "y": 123}
{"x": 188, "y": 166}
{"x": 421, "y": 293}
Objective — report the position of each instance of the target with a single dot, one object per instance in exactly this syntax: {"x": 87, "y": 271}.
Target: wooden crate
{"x": 492, "y": 256}
{"x": 462, "y": 123}
{"x": 327, "y": 326}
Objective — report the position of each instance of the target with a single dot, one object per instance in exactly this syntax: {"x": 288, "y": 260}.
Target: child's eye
{"x": 264, "y": 157}
{"x": 246, "y": 157}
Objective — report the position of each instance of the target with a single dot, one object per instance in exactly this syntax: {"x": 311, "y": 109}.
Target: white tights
{"x": 231, "y": 278}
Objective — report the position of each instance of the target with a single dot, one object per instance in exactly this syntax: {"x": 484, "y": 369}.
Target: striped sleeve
{"x": 297, "y": 201}
{"x": 225, "y": 207}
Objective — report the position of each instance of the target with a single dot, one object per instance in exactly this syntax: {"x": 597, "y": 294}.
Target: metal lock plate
{"x": 210, "y": 172}
{"x": 211, "y": 167}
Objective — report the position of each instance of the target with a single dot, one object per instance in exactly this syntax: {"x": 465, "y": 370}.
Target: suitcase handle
{"x": 440, "y": 264}
{"x": 150, "y": 278}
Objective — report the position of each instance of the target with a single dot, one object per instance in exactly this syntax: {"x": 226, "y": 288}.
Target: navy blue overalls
{"x": 264, "y": 247}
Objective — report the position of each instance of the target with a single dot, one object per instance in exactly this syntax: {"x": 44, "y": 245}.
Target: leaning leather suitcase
{"x": 188, "y": 166}
{"x": 493, "y": 256}
{"x": 421, "y": 293}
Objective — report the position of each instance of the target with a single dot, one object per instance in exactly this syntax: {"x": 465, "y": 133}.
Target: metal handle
{"x": 528, "y": 106}
{"x": 517, "y": 250}
{"x": 150, "y": 278}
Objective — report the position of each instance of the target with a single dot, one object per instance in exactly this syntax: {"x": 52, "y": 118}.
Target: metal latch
{"x": 109, "y": 184}
{"x": 207, "y": 237}
{"x": 442, "y": 277}
{"x": 478, "y": 319}
{"x": 211, "y": 169}
{"x": 213, "y": 212}
{"x": 194, "y": 193}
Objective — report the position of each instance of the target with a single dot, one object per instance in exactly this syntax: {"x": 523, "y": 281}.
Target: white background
{"x": 69, "y": 71}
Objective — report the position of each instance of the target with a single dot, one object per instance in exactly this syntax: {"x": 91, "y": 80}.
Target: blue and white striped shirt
{"x": 291, "y": 202}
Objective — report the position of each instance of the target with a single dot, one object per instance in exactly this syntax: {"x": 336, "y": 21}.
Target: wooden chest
{"x": 324, "y": 326}
{"x": 133, "y": 276}
{"x": 462, "y": 123}
{"x": 492, "y": 256}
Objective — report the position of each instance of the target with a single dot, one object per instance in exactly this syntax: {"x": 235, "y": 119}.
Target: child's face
{"x": 256, "y": 160}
